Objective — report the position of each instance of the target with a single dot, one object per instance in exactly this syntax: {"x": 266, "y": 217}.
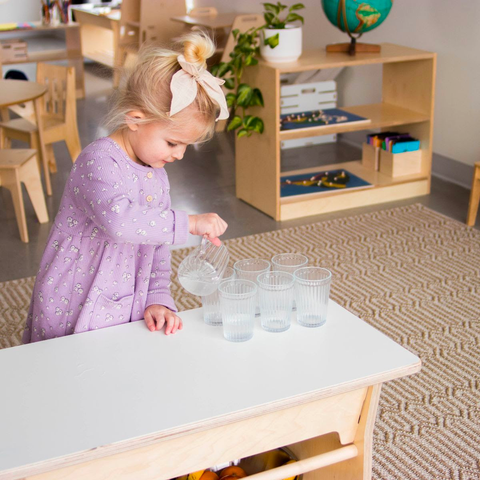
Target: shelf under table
{"x": 381, "y": 115}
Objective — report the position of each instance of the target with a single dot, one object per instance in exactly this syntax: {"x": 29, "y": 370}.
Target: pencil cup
{"x": 237, "y": 305}
{"x": 275, "y": 296}
{"x": 250, "y": 269}
{"x": 312, "y": 289}
{"x": 211, "y": 303}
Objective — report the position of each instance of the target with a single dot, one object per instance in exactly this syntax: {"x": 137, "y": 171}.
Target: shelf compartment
{"x": 382, "y": 115}
{"x": 384, "y": 189}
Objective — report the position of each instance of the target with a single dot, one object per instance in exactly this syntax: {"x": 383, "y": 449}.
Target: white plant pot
{"x": 289, "y": 47}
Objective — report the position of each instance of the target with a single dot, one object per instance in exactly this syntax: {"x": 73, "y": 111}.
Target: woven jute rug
{"x": 413, "y": 274}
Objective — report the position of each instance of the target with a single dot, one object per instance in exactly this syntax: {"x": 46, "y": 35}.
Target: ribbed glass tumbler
{"x": 250, "y": 269}
{"x": 211, "y": 303}
{"x": 275, "y": 297}
{"x": 237, "y": 304}
{"x": 312, "y": 289}
{"x": 289, "y": 262}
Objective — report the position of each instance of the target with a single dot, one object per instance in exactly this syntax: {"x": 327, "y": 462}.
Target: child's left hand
{"x": 157, "y": 315}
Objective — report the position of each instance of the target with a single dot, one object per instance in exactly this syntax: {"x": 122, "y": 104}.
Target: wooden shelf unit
{"x": 72, "y": 51}
{"x": 408, "y": 89}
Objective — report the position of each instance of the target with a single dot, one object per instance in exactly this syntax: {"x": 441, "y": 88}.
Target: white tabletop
{"x": 68, "y": 395}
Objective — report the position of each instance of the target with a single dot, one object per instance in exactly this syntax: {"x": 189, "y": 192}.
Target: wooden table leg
{"x": 474, "y": 197}
{"x": 42, "y": 148}
{"x": 357, "y": 468}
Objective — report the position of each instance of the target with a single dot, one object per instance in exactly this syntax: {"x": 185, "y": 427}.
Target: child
{"x": 107, "y": 259}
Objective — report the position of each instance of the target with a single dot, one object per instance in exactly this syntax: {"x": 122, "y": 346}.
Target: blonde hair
{"x": 145, "y": 86}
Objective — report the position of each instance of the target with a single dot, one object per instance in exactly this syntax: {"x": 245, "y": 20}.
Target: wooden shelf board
{"x": 377, "y": 179}
{"x": 45, "y": 56}
{"x": 39, "y": 27}
{"x": 320, "y": 59}
{"x": 381, "y": 115}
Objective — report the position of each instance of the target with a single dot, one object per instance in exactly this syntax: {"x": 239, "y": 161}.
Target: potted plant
{"x": 244, "y": 54}
{"x": 281, "y": 39}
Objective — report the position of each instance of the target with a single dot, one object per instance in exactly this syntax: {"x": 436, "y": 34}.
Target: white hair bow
{"x": 184, "y": 88}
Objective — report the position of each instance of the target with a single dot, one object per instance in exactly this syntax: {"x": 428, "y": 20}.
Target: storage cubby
{"x": 408, "y": 84}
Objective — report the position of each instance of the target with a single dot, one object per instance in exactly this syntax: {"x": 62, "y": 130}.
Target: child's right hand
{"x": 208, "y": 224}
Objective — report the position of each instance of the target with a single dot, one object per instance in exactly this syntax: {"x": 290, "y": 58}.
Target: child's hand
{"x": 157, "y": 315}
{"x": 208, "y": 224}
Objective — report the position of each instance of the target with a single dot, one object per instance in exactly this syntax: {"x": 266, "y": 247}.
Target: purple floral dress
{"x": 107, "y": 257}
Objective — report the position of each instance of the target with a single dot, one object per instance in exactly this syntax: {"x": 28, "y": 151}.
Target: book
{"x": 320, "y": 182}
{"x": 319, "y": 118}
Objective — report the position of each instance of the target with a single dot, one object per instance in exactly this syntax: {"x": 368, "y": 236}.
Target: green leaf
{"x": 257, "y": 98}
{"x": 231, "y": 99}
{"x": 247, "y": 121}
{"x": 269, "y": 17}
{"x": 281, "y": 6}
{"x": 257, "y": 125}
{"x": 297, "y": 6}
{"x": 270, "y": 7}
{"x": 254, "y": 61}
{"x": 272, "y": 41}
{"x": 235, "y": 33}
{"x": 242, "y": 132}
{"x": 214, "y": 69}
{"x": 235, "y": 123}
{"x": 292, "y": 17}
{"x": 244, "y": 95}
{"x": 229, "y": 83}
{"x": 223, "y": 68}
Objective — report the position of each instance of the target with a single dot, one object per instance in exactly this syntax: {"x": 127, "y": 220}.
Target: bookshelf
{"x": 408, "y": 87}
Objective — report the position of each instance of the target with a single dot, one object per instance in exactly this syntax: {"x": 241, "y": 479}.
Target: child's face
{"x": 155, "y": 145}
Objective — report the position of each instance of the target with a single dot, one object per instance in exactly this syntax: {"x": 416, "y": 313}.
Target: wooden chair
{"x": 59, "y": 116}
{"x": 18, "y": 166}
{"x": 474, "y": 197}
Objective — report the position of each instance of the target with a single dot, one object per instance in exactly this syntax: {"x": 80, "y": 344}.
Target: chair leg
{"x": 73, "y": 143}
{"x": 52, "y": 164}
{"x": 11, "y": 182}
{"x": 30, "y": 176}
{"x": 474, "y": 198}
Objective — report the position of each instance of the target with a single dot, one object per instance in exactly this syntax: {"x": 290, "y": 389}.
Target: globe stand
{"x": 353, "y": 47}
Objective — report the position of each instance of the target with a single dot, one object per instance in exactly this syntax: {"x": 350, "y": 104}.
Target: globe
{"x": 362, "y": 16}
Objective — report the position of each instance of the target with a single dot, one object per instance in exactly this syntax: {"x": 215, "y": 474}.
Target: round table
{"x": 13, "y": 92}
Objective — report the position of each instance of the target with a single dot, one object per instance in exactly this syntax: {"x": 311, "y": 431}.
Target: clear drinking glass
{"x": 250, "y": 269}
{"x": 237, "y": 304}
{"x": 211, "y": 303}
{"x": 275, "y": 297}
{"x": 312, "y": 289}
{"x": 289, "y": 262}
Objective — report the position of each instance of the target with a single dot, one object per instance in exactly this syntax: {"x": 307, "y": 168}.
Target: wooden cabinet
{"x": 407, "y": 105}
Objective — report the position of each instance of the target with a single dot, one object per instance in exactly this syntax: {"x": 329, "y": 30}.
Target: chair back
{"x": 60, "y": 100}
{"x": 203, "y": 12}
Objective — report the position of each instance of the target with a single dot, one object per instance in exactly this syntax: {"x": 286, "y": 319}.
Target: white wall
{"x": 450, "y": 28}
{"x": 20, "y": 11}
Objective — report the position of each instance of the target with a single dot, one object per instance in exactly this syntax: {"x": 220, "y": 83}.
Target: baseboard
{"x": 443, "y": 167}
